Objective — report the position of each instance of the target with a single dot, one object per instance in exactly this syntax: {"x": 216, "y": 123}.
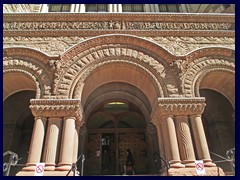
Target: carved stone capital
{"x": 57, "y": 108}
{"x": 177, "y": 107}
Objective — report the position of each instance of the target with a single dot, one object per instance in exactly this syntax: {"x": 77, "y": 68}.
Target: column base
{"x": 29, "y": 168}
{"x": 63, "y": 168}
{"x": 189, "y": 163}
{"x": 47, "y": 173}
{"x": 176, "y": 164}
{"x": 209, "y": 163}
{"x": 210, "y": 171}
{"x": 49, "y": 168}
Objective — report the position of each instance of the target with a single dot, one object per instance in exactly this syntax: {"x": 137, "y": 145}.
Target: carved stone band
{"x": 57, "y": 108}
{"x": 178, "y": 107}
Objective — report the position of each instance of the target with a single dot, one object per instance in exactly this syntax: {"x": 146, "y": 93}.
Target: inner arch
{"x": 122, "y": 73}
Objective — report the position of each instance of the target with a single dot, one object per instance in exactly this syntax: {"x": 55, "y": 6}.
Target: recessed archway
{"x": 113, "y": 127}
{"x": 219, "y": 125}
{"x": 18, "y": 124}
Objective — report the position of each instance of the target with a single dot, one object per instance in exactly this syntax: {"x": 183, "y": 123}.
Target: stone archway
{"x": 218, "y": 87}
{"x": 116, "y": 115}
{"x": 18, "y": 125}
{"x": 219, "y": 126}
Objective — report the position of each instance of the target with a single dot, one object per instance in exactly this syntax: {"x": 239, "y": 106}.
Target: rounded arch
{"x": 120, "y": 91}
{"x": 17, "y": 81}
{"x": 18, "y": 122}
{"x": 120, "y": 73}
{"x": 222, "y": 81}
{"x": 26, "y": 52}
{"x": 124, "y": 39}
{"x": 81, "y": 59}
{"x": 205, "y": 65}
{"x": 29, "y": 64}
{"x": 219, "y": 124}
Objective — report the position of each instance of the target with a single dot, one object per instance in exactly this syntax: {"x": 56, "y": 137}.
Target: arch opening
{"x": 18, "y": 123}
{"x": 219, "y": 125}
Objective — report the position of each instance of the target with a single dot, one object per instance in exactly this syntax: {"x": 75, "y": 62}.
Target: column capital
{"x": 56, "y": 108}
{"x": 39, "y": 117}
{"x": 177, "y": 107}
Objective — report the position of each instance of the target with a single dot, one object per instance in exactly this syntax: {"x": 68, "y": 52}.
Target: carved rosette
{"x": 177, "y": 107}
{"x": 58, "y": 108}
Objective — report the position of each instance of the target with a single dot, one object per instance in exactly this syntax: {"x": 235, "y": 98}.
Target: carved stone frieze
{"x": 177, "y": 107}
{"x": 118, "y": 25}
{"x": 57, "y": 108}
{"x": 143, "y": 24}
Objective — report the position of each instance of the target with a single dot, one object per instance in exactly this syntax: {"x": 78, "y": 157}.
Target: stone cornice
{"x": 89, "y": 24}
{"x": 57, "y": 108}
{"x": 177, "y": 107}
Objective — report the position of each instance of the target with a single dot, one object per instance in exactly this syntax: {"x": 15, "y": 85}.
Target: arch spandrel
{"x": 123, "y": 39}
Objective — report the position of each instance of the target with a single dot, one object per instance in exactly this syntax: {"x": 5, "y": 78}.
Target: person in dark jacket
{"x": 129, "y": 163}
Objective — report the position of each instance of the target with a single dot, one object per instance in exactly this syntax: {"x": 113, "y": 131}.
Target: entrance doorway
{"x": 108, "y": 163}
{"x": 114, "y": 127}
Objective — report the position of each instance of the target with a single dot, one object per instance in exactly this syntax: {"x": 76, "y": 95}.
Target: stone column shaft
{"x": 67, "y": 143}
{"x": 35, "y": 152}
{"x": 200, "y": 140}
{"x": 170, "y": 142}
{"x": 185, "y": 141}
{"x": 75, "y": 147}
{"x": 52, "y": 143}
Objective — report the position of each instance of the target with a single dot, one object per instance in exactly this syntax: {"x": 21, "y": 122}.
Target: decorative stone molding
{"x": 179, "y": 46}
{"x": 57, "y": 108}
{"x": 102, "y": 23}
{"x": 160, "y": 88}
{"x": 38, "y": 89}
{"x": 118, "y": 25}
{"x": 26, "y": 52}
{"x": 33, "y": 70}
{"x": 177, "y": 107}
{"x": 199, "y": 68}
{"x": 127, "y": 41}
{"x": 90, "y": 57}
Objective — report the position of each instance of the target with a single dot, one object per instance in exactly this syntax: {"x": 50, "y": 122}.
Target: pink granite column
{"x": 200, "y": 140}
{"x": 185, "y": 141}
{"x": 52, "y": 143}
{"x": 170, "y": 142}
{"x": 35, "y": 151}
{"x": 67, "y": 144}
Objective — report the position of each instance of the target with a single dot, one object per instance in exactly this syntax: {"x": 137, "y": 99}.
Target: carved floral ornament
{"x": 177, "y": 107}
{"x": 62, "y": 108}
